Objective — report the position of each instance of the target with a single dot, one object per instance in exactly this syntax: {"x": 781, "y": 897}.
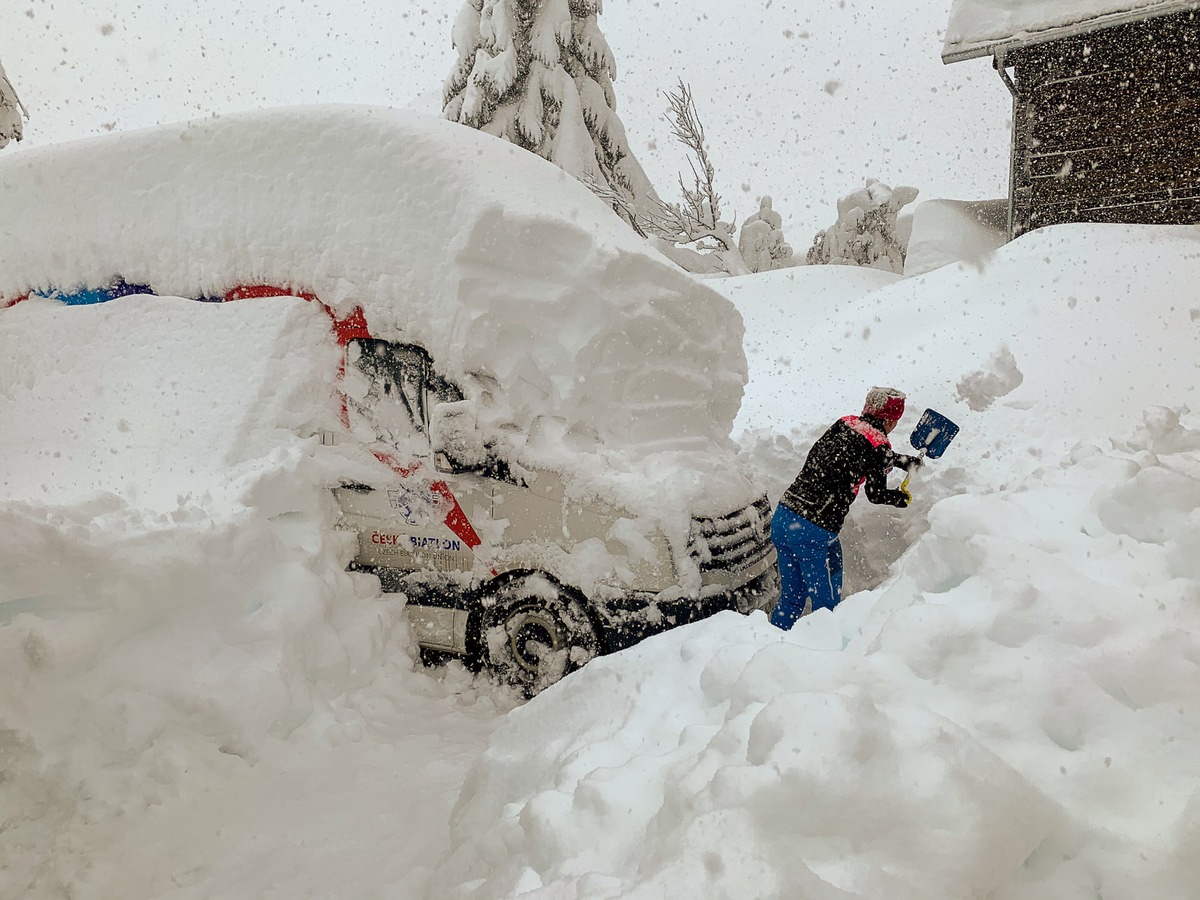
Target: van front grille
{"x": 736, "y": 541}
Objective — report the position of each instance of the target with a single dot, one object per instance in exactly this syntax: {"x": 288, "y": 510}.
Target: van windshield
{"x": 395, "y": 400}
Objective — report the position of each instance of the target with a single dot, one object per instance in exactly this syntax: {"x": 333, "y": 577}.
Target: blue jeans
{"x": 810, "y": 566}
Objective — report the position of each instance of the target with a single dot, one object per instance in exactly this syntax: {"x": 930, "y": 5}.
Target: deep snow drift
{"x": 1010, "y": 714}
{"x": 427, "y": 226}
{"x": 196, "y": 700}
{"x": 1013, "y": 716}
{"x": 582, "y": 352}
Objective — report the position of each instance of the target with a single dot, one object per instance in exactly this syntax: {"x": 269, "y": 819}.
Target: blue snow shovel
{"x": 931, "y": 437}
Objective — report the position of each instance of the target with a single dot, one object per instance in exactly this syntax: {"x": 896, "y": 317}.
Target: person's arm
{"x": 877, "y": 489}
{"x": 902, "y": 461}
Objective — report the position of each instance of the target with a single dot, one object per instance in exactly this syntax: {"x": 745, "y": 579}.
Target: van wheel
{"x": 533, "y": 632}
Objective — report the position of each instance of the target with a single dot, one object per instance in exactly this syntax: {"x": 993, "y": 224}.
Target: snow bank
{"x": 1007, "y": 713}
{"x": 182, "y": 653}
{"x": 1011, "y": 716}
{"x": 782, "y": 310}
{"x": 976, "y": 25}
{"x": 1068, "y": 331}
{"x": 950, "y": 231}
{"x": 524, "y": 287}
{"x": 157, "y": 402}
{"x": 1096, "y": 317}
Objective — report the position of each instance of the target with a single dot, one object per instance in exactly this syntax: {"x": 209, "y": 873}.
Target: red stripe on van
{"x": 456, "y": 520}
{"x": 346, "y": 329}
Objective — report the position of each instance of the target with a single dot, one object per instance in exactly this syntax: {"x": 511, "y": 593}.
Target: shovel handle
{"x": 908, "y": 475}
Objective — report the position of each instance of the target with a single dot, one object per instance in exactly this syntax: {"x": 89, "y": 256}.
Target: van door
{"x": 412, "y": 520}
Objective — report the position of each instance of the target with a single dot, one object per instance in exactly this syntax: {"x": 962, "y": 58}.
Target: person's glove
{"x": 912, "y": 463}
{"x": 907, "y": 495}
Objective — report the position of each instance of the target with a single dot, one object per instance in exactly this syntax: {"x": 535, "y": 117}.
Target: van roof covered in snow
{"x": 510, "y": 272}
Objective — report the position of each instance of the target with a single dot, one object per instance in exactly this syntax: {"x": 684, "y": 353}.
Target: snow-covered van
{"x": 533, "y": 407}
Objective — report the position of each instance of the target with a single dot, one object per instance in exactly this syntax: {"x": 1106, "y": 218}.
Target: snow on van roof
{"x": 522, "y": 285}
{"x": 981, "y": 27}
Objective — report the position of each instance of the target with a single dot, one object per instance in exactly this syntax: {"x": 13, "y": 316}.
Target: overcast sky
{"x": 801, "y": 99}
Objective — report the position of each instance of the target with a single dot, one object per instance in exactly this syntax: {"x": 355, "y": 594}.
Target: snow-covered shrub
{"x": 865, "y": 232}
{"x": 539, "y": 73}
{"x": 761, "y": 240}
{"x": 11, "y": 110}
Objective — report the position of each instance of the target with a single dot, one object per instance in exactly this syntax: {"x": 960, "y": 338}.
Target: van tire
{"x": 533, "y": 632}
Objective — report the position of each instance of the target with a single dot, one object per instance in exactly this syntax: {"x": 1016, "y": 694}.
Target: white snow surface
{"x": 210, "y": 397}
{"x": 1001, "y": 716}
{"x": 528, "y": 292}
{"x": 949, "y": 231}
{"x": 977, "y": 25}
{"x": 196, "y": 700}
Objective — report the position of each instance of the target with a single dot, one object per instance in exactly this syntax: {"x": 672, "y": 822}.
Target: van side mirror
{"x": 455, "y": 438}
{"x": 459, "y": 445}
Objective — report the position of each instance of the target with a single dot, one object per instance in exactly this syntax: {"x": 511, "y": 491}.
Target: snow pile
{"x": 977, "y": 25}
{"x": 1008, "y": 714}
{"x": 175, "y": 616}
{"x": 949, "y": 231}
{"x": 1096, "y": 317}
{"x": 1011, "y": 716}
{"x": 171, "y": 406}
{"x": 1069, "y": 331}
{"x": 526, "y": 289}
{"x": 789, "y": 315}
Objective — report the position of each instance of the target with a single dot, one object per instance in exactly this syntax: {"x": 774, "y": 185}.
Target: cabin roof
{"x": 987, "y": 27}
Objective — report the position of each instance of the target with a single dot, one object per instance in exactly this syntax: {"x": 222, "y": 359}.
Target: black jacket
{"x": 852, "y": 452}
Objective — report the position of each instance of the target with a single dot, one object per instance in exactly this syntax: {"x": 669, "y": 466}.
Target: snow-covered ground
{"x": 1006, "y": 713}
{"x": 197, "y": 701}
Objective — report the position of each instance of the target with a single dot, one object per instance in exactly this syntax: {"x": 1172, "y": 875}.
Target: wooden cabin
{"x": 1106, "y": 105}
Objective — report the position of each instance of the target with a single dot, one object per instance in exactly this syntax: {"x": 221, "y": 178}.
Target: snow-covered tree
{"x": 539, "y": 73}
{"x": 865, "y": 232}
{"x": 11, "y": 111}
{"x": 677, "y": 228}
{"x": 697, "y": 220}
{"x": 761, "y": 240}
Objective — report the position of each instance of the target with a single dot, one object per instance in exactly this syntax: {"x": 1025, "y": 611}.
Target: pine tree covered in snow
{"x": 865, "y": 232}
{"x": 539, "y": 73}
{"x": 11, "y": 110}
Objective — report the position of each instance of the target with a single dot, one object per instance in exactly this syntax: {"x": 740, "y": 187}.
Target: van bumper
{"x": 439, "y": 618}
{"x": 636, "y": 616}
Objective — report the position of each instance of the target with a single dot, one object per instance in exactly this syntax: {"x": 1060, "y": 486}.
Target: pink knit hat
{"x": 886, "y": 403}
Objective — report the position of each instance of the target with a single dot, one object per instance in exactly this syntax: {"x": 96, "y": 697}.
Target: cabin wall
{"x": 1106, "y": 126}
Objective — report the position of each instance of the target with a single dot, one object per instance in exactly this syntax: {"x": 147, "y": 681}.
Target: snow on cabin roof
{"x": 985, "y": 27}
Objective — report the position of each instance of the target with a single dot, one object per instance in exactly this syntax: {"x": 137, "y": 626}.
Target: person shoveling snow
{"x": 854, "y": 452}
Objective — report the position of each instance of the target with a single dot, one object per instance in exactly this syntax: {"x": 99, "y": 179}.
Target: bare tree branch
{"x": 702, "y": 200}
